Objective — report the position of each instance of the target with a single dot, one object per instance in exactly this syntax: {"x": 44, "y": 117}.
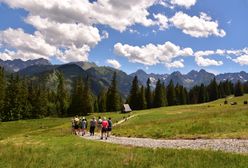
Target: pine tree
{"x": 62, "y": 96}
{"x": 213, "y": 90}
{"x": 113, "y": 96}
{"x": 96, "y": 106}
{"x": 87, "y": 99}
{"x": 238, "y": 90}
{"x": 182, "y": 95}
{"x": 102, "y": 101}
{"x": 149, "y": 98}
{"x": 2, "y": 91}
{"x": 76, "y": 103}
{"x": 134, "y": 95}
{"x": 171, "y": 95}
{"x": 159, "y": 97}
{"x": 202, "y": 94}
{"x": 142, "y": 99}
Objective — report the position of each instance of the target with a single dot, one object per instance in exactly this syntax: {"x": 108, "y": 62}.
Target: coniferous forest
{"x": 21, "y": 98}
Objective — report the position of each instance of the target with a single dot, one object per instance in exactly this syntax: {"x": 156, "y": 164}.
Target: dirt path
{"x": 227, "y": 145}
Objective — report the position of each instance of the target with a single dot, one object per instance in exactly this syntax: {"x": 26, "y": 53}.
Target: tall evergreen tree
{"x": 134, "y": 95}
{"x": 213, "y": 90}
{"x": 142, "y": 99}
{"x": 159, "y": 97}
{"x": 202, "y": 94}
{"x": 87, "y": 99}
{"x": 102, "y": 101}
{"x": 182, "y": 95}
{"x": 171, "y": 95}
{"x": 2, "y": 91}
{"x": 149, "y": 98}
{"x": 62, "y": 96}
{"x": 76, "y": 104}
{"x": 238, "y": 90}
{"x": 113, "y": 96}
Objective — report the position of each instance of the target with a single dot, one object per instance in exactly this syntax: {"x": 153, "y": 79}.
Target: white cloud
{"x": 204, "y": 62}
{"x": 151, "y": 54}
{"x": 242, "y": 60}
{"x": 195, "y": 26}
{"x": 184, "y": 3}
{"x": 162, "y": 21}
{"x": 114, "y": 63}
{"x": 175, "y": 64}
{"x": 105, "y": 35}
{"x": 26, "y": 45}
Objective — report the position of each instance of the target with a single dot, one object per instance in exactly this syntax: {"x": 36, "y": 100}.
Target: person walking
{"x": 109, "y": 127}
{"x": 93, "y": 123}
{"x": 104, "y": 128}
{"x": 76, "y": 125}
{"x": 99, "y": 124}
{"x": 84, "y": 126}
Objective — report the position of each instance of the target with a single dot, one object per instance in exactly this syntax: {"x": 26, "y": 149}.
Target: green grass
{"x": 48, "y": 142}
{"x": 209, "y": 120}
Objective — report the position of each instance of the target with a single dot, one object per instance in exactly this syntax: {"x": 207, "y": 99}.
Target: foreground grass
{"x": 55, "y": 147}
{"x": 49, "y": 143}
{"x": 209, "y": 120}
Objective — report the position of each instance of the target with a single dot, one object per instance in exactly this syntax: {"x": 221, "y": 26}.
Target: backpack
{"x": 109, "y": 123}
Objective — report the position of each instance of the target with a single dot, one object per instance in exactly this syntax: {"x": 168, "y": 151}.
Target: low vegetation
{"x": 48, "y": 143}
{"x": 208, "y": 120}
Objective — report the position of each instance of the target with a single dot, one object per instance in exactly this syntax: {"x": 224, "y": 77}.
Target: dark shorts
{"x": 76, "y": 126}
{"x": 104, "y": 129}
{"x": 109, "y": 128}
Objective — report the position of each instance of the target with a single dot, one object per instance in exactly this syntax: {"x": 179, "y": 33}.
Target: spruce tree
{"x": 159, "y": 98}
{"x": 238, "y": 89}
{"x": 102, "y": 101}
{"x": 171, "y": 95}
{"x": 202, "y": 94}
{"x": 113, "y": 96}
{"x": 182, "y": 95}
{"x": 213, "y": 90}
{"x": 2, "y": 91}
{"x": 87, "y": 99}
{"x": 62, "y": 96}
{"x": 142, "y": 99}
{"x": 149, "y": 98}
{"x": 134, "y": 95}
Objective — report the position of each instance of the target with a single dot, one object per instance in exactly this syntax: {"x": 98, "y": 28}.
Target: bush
{"x": 225, "y": 102}
{"x": 246, "y": 102}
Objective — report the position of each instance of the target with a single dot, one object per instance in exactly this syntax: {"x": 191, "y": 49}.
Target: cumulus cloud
{"x": 184, "y": 3}
{"x": 162, "y": 21}
{"x": 151, "y": 54}
{"x": 242, "y": 60}
{"x": 114, "y": 63}
{"x": 25, "y": 45}
{"x": 204, "y": 62}
{"x": 195, "y": 26}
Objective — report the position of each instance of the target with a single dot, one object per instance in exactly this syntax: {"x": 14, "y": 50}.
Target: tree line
{"x": 144, "y": 97}
{"x": 22, "y": 98}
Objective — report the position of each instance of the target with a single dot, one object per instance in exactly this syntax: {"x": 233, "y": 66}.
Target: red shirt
{"x": 105, "y": 124}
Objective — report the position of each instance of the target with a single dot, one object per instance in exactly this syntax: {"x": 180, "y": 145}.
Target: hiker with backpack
{"x": 93, "y": 123}
{"x": 104, "y": 128}
{"x": 76, "y": 125}
{"x": 109, "y": 127}
{"x": 99, "y": 124}
{"x": 84, "y": 126}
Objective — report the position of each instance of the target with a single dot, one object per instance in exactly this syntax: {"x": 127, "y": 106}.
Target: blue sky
{"x": 119, "y": 34}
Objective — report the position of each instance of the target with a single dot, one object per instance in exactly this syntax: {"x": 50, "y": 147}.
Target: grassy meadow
{"x": 209, "y": 120}
{"x": 48, "y": 142}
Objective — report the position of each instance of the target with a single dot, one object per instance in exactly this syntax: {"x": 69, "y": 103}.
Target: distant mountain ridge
{"x": 18, "y": 64}
{"x": 101, "y": 76}
{"x": 190, "y": 79}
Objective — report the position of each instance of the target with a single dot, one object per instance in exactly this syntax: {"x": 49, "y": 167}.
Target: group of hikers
{"x": 104, "y": 126}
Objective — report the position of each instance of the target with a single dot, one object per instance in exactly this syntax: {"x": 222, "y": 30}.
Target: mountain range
{"x": 100, "y": 76}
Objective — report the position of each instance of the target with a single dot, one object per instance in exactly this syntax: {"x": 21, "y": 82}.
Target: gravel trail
{"x": 226, "y": 145}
